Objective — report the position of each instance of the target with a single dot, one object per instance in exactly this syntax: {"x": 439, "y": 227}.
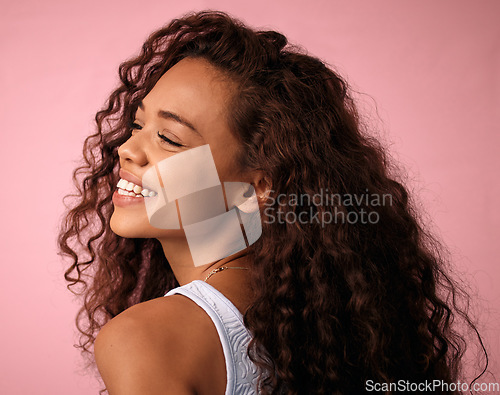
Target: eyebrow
{"x": 170, "y": 115}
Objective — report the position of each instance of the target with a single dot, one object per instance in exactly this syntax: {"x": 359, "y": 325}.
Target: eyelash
{"x": 165, "y": 138}
{"x": 135, "y": 126}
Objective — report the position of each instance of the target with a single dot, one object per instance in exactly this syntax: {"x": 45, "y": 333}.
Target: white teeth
{"x": 126, "y": 193}
{"x": 128, "y": 188}
{"x": 147, "y": 193}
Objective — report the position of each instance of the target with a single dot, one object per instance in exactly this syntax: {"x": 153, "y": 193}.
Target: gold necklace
{"x": 220, "y": 269}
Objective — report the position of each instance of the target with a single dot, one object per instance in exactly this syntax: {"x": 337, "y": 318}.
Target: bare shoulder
{"x": 163, "y": 346}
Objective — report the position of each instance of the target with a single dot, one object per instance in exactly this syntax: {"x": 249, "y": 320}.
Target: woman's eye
{"x": 166, "y": 139}
{"x": 135, "y": 125}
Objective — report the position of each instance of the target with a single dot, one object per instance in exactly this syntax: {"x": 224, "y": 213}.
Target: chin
{"x": 139, "y": 228}
{"x": 128, "y": 227}
{"x": 122, "y": 228}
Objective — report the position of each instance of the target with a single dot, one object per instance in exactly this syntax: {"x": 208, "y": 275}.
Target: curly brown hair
{"x": 335, "y": 305}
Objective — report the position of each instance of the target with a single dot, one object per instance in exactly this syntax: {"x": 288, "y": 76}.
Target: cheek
{"x": 227, "y": 164}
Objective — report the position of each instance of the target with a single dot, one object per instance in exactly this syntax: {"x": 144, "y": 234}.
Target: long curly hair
{"x": 336, "y": 303}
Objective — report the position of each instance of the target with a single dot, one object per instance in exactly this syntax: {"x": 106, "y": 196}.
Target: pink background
{"x": 431, "y": 67}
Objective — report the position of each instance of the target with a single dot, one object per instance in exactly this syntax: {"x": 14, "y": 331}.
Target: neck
{"x": 177, "y": 252}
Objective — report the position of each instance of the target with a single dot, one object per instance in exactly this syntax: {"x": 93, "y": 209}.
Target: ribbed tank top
{"x": 241, "y": 372}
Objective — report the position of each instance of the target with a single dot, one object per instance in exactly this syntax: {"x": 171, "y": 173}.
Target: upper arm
{"x": 139, "y": 352}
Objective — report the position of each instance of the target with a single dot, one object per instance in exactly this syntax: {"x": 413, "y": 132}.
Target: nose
{"x": 133, "y": 151}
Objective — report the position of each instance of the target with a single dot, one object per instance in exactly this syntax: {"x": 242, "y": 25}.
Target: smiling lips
{"x": 128, "y": 188}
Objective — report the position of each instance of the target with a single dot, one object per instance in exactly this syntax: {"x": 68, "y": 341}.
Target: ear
{"x": 262, "y": 184}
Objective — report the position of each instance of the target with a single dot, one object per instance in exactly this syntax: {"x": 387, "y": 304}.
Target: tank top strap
{"x": 241, "y": 371}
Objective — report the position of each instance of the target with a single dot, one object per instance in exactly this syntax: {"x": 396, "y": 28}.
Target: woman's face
{"x": 187, "y": 108}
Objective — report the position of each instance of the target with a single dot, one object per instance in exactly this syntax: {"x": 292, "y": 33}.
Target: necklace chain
{"x": 220, "y": 269}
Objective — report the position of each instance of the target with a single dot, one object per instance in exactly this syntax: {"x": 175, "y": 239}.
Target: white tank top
{"x": 241, "y": 372}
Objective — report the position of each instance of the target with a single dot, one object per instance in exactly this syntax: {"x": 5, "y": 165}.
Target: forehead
{"x": 194, "y": 89}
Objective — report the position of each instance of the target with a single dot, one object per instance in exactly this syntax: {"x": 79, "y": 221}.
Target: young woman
{"x": 336, "y": 287}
